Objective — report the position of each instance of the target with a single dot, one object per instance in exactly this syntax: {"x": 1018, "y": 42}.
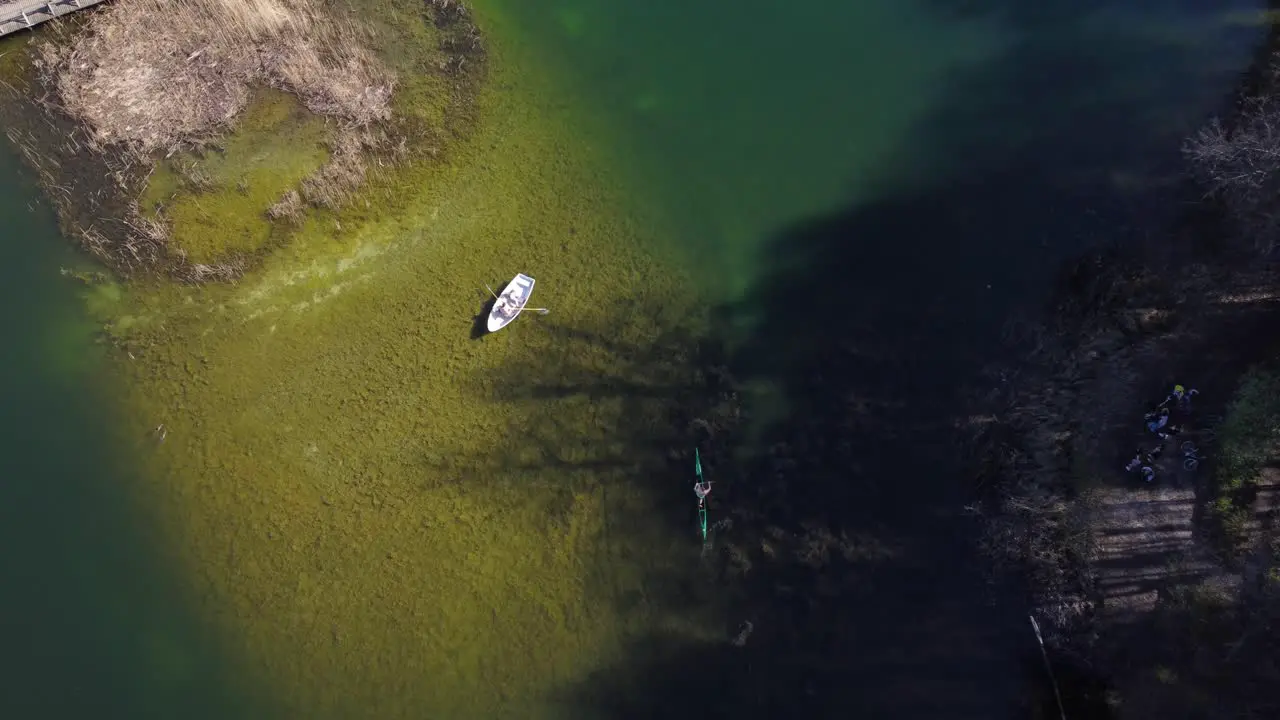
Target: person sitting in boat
{"x": 510, "y": 305}
{"x": 702, "y": 490}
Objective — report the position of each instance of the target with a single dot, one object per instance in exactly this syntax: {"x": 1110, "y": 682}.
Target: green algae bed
{"x": 386, "y": 517}
{"x": 216, "y": 203}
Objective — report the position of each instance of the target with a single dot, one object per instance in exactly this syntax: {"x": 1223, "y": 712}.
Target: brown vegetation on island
{"x": 152, "y": 74}
{"x": 138, "y": 82}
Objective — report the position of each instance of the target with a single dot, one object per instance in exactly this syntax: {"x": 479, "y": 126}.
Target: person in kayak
{"x": 702, "y": 490}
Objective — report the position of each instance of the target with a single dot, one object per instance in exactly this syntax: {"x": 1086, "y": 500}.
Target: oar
{"x": 491, "y": 292}
{"x": 1048, "y": 668}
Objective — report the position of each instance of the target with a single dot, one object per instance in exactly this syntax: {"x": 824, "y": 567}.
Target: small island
{"x": 188, "y": 139}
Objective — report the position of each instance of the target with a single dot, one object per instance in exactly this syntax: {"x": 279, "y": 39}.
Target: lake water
{"x": 747, "y": 124}
{"x": 865, "y": 191}
{"x": 872, "y": 190}
{"x": 95, "y": 623}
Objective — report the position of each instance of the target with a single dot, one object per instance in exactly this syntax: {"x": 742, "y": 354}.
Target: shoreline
{"x": 1060, "y": 515}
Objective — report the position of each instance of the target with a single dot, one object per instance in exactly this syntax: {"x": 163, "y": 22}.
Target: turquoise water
{"x": 917, "y": 166}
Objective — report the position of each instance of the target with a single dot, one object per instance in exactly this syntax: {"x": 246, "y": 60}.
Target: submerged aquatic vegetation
{"x": 217, "y": 203}
{"x": 384, "y": 517}
{"x": 387, "y": 517}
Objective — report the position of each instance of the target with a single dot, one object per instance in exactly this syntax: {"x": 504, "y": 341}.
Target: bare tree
{"x": 1240, "y": 165}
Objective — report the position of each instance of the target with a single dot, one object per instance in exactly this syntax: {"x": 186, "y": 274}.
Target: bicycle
{"x": 1191, "y": 456}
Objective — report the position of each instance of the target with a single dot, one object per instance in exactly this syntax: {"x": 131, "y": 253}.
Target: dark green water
{"x": 915, "y": 152}
{"x": 746, "y": 122}
{"x": 90, "y": 622}
{"x": 873, "y": 190}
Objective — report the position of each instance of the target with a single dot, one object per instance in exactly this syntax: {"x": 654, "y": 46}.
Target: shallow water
{"x": 383, "y": 516}
{"x": 359, "y": 511}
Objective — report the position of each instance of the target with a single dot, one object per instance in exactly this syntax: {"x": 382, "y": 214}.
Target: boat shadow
{"x": 479, "y": 327}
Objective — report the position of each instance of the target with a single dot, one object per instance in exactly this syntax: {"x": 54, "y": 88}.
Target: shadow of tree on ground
{"x": 868, "y": 325}
{"x": 607, "y": 406}
{"x": 850, "y": 553}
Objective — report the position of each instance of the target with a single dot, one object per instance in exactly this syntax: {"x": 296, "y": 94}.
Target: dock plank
{"x": 19, "y": 15}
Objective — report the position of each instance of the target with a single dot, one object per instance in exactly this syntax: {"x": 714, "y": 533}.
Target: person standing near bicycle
{"x": 1158, "y": 423}
{"x": 1179, "y": 400}
{"x": 1168, "y": 418}
{"x": 1145, "y": 463}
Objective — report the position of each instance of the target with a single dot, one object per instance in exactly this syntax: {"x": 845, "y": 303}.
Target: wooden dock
{"x": 16, "y": 15}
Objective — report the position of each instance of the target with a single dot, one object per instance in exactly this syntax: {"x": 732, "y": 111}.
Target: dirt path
{"x": 1147, "y": 542}
{"x": 1138, "y": 333}
{"x": 1147, "y": 537}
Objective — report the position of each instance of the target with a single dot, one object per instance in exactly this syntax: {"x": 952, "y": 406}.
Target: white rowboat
{"x": 510, "y": 302}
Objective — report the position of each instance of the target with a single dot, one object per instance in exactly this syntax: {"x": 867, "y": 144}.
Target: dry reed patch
{"x": 289, "y": 207}
{"x": 151, "y": 74}
{"x": 332, "y": 185}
